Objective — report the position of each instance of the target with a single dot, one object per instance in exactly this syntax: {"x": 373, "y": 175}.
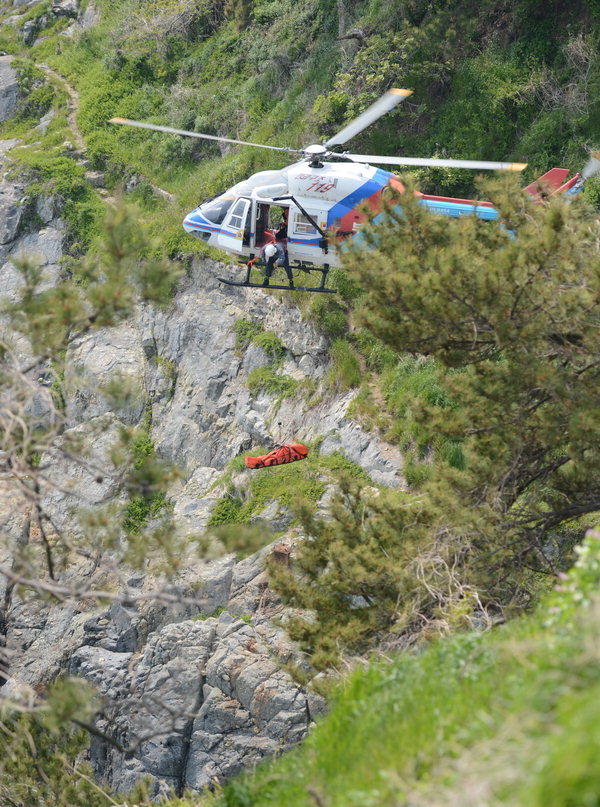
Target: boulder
{"x": 11, "y": 209}
{"x": 65, "y": 8}
{"x": 69, "y": 486}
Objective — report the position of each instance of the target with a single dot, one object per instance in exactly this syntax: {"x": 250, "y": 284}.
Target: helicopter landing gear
{"x": 246, "y": 283}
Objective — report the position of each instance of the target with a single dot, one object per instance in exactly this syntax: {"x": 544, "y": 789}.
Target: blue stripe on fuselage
{"x": 459, "y": 209}
{"x": 378, "y": 181}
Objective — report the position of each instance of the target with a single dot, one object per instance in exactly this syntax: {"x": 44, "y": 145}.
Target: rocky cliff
{"x": 194, "y": 686}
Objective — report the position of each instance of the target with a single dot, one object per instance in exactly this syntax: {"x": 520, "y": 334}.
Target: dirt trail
{"x": 72, "y": 105}
{"x": 73, "y": 109}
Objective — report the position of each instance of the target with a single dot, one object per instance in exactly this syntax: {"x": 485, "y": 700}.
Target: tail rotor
{"x": 592, "y": 167}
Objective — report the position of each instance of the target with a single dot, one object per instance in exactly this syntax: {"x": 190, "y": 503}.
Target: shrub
{"x": 226, "y": 511}
{"x": 345, "y": 372}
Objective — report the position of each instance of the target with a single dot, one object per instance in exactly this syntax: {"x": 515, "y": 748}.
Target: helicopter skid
{"x": 248, "y": 285}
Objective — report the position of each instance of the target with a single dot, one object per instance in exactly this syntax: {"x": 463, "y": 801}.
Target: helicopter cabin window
{"x": 302, "y": 226}
{"x": 217, "y": 210}
{"x": 237, "y": 215}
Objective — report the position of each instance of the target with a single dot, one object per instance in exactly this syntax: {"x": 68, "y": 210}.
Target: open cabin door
{"x": 269, "y": 219}
{"x": 235, "y": 229}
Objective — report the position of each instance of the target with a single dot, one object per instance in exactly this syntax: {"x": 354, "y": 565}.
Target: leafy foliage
{"x": 508, "y": 717}
{"x": 509, "y": 305}
{"x": 354, "y": 573}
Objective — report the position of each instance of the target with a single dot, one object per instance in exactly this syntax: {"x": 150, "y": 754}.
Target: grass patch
{"x": 265, "y": 379}
{"x": 345, "y": 371}
{"x": 328, "y": 315}
{"x": 409, "y": 388}
{"x": 285, "y": 484}
{"x": 338, "y": 463}
{"x": 249, "y": 331}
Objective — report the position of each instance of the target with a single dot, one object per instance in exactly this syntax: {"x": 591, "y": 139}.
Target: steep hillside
{"x": 452, "y": 456}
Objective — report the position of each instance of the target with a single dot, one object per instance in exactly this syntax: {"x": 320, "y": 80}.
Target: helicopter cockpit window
{"x": 302, "y": 225}
{"x": 217, "y": 210}
{"x": 237, "y": 215}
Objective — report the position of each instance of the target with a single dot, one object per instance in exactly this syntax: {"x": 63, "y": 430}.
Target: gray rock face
{"x": 11, "y": 208}
{"x": 85, "y": 20}
{"x": 70, "y": 486}
{"x": 9, "y": 88}
{"x": 195, "y": 502}
{"x": 110, "y": 355}
{"x": 90, "y": 17}
{"x": 184, "y": 361}
{"x": 206, "y": 699}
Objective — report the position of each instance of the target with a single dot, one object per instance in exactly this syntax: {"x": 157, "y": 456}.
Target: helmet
{"x": 270, "y": 250}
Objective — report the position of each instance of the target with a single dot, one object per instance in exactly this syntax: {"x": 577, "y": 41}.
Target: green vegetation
{"x": 35, "y": 95}
{"x": 496, "y": 419}
{"x": 283, "y": 484}
{"x": 508, "y": 717}
{"x": 355, "y": 575}
{"x": 286, "y": 484}
{"x": 170, "y": 370}
{"x": 148, "y": 500}
{"x": 510, "y": 99}
{"x": 480, "y": 344}
{"x": 505, "y": 395}
{"x": 530, "y": 93}
{"x": 250, "y": 331}
{"x": 266, "y": 379}
{"x": 345, "y": 370}
{"x": 56, "y": 174}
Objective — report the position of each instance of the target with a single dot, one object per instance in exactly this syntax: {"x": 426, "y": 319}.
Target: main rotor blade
{"x": 478, "y": 165}
{"x": 169, "y": 130}
{"x": 384, "y": 104}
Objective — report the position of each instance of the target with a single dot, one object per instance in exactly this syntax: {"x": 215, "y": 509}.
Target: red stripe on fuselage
{"x": 355, "y": 216}
{"x": 454, "y": 199}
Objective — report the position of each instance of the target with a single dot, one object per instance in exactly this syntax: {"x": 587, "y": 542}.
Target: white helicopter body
{"x": 238, "y": 220}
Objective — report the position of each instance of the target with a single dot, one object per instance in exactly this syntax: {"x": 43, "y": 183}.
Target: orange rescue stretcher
{"x": 288, "y": 453}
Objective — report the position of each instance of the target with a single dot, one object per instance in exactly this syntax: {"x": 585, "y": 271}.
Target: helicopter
{"x": 321, "y": 198}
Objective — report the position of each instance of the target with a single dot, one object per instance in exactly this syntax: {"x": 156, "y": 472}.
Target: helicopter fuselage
{"x": 318, "y": 204}
{"x": 314, "y": 202}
